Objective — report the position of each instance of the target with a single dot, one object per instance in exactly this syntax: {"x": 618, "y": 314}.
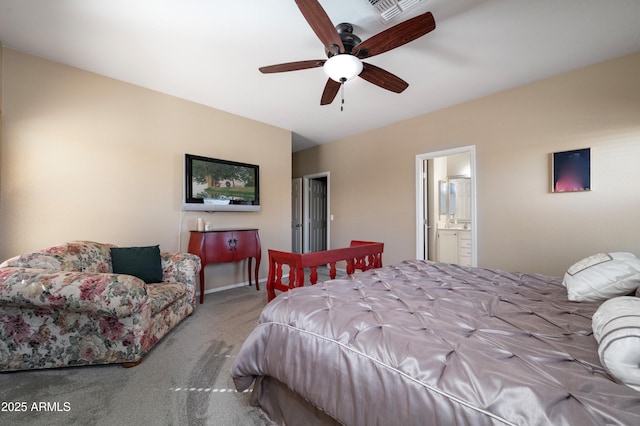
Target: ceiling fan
{"x": 345, "y": 50}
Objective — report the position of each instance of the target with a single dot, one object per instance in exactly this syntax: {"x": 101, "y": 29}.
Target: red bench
{"x": 360, "y": 255}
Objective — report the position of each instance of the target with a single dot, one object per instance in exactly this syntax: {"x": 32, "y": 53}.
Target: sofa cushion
{"x": 163, "y": 294}
{"x": 141, "y": 262}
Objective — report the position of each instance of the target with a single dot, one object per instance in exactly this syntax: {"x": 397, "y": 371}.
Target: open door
{"x": 296, "y": 215}
{"x": 316, "y": 212}
{"x": 427, "y": 177}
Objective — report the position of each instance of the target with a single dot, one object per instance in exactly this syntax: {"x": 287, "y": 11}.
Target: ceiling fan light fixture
{"x": 343, "y": 67}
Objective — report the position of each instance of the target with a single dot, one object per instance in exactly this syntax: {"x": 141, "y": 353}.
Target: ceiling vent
{"x": 390, "y": 9}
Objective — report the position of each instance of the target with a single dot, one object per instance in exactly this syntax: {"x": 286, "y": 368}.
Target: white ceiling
{"x": 209, "y": 51}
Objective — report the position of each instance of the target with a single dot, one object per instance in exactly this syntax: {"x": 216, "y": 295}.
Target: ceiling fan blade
{"x": 396, "y": 36}
{"x": 330, "y": 91}
{"x": 383, "y": 78}
{"x": 292, "y": 66}
{"x": 321, "y": 24}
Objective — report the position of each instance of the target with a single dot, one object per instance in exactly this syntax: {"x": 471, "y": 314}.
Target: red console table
{"x": 229, "y": 245}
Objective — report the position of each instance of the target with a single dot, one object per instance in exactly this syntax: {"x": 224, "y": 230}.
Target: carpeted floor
{"x": 184, "y": 380}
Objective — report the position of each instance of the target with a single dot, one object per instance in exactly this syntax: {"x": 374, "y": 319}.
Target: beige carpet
{"x": 184, "y": 380}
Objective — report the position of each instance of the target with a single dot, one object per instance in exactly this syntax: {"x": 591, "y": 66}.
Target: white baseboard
{"x": 226, "y": 287}
{"x": 236, "y": 285}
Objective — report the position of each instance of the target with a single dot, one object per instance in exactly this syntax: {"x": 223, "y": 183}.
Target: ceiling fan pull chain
{"x": 342, "y": 93}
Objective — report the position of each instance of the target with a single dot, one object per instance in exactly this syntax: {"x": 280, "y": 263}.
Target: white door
{"x": 427, "y": 219}
{"x": 317, "y": 214}
{"x": 296, "y": 215}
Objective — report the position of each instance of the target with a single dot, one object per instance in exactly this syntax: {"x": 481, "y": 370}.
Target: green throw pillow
{"x": 141, "y": 262}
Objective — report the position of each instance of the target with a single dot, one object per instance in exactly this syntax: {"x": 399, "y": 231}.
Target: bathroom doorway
{"x": 446, "y": 221}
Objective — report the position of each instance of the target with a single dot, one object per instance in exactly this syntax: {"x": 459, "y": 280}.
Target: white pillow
{"x": 616, "y": 327}
{"x": 602, "y": 276}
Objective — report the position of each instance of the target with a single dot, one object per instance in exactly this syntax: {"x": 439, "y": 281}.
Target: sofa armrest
{"x": 33, "y": 260}
{"x": 181, "y": 268}
{"x": 109, "y": 294}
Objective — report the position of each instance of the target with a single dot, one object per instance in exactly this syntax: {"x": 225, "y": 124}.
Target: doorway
{"x": 310, "y": 224}
{"x": 446, "y": 215}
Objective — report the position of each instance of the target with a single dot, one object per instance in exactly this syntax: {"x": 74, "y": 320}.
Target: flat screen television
{"x": 211, "y": 184}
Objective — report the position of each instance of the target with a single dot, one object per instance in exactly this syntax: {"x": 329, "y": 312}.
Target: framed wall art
{"x": 571, "y": 170}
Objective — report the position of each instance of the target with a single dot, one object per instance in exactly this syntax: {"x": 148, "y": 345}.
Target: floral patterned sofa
{"x": 63, "y": 306}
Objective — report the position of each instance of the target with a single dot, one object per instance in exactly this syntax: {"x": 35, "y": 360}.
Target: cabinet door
{"x": 447, "y": 246}
{"x": 219, "y": 246}
{"x": 464, "y": 248}
{"x": 245, "y": 244}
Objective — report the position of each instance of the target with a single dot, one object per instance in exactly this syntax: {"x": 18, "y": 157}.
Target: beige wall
{"x": 88, "y": 157}
{"x": 521, "y": 225}
{"x": 1, "y": 118}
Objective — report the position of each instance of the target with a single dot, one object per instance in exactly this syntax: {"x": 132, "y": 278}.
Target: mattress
{"x": 429, "y": 343}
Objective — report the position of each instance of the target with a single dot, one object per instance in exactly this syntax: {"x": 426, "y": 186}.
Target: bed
{"x": 422, "y": 343}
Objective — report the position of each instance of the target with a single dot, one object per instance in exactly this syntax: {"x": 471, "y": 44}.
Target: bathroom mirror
{"x": 443, "y": 201}
{"x": 455, "y": 198}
